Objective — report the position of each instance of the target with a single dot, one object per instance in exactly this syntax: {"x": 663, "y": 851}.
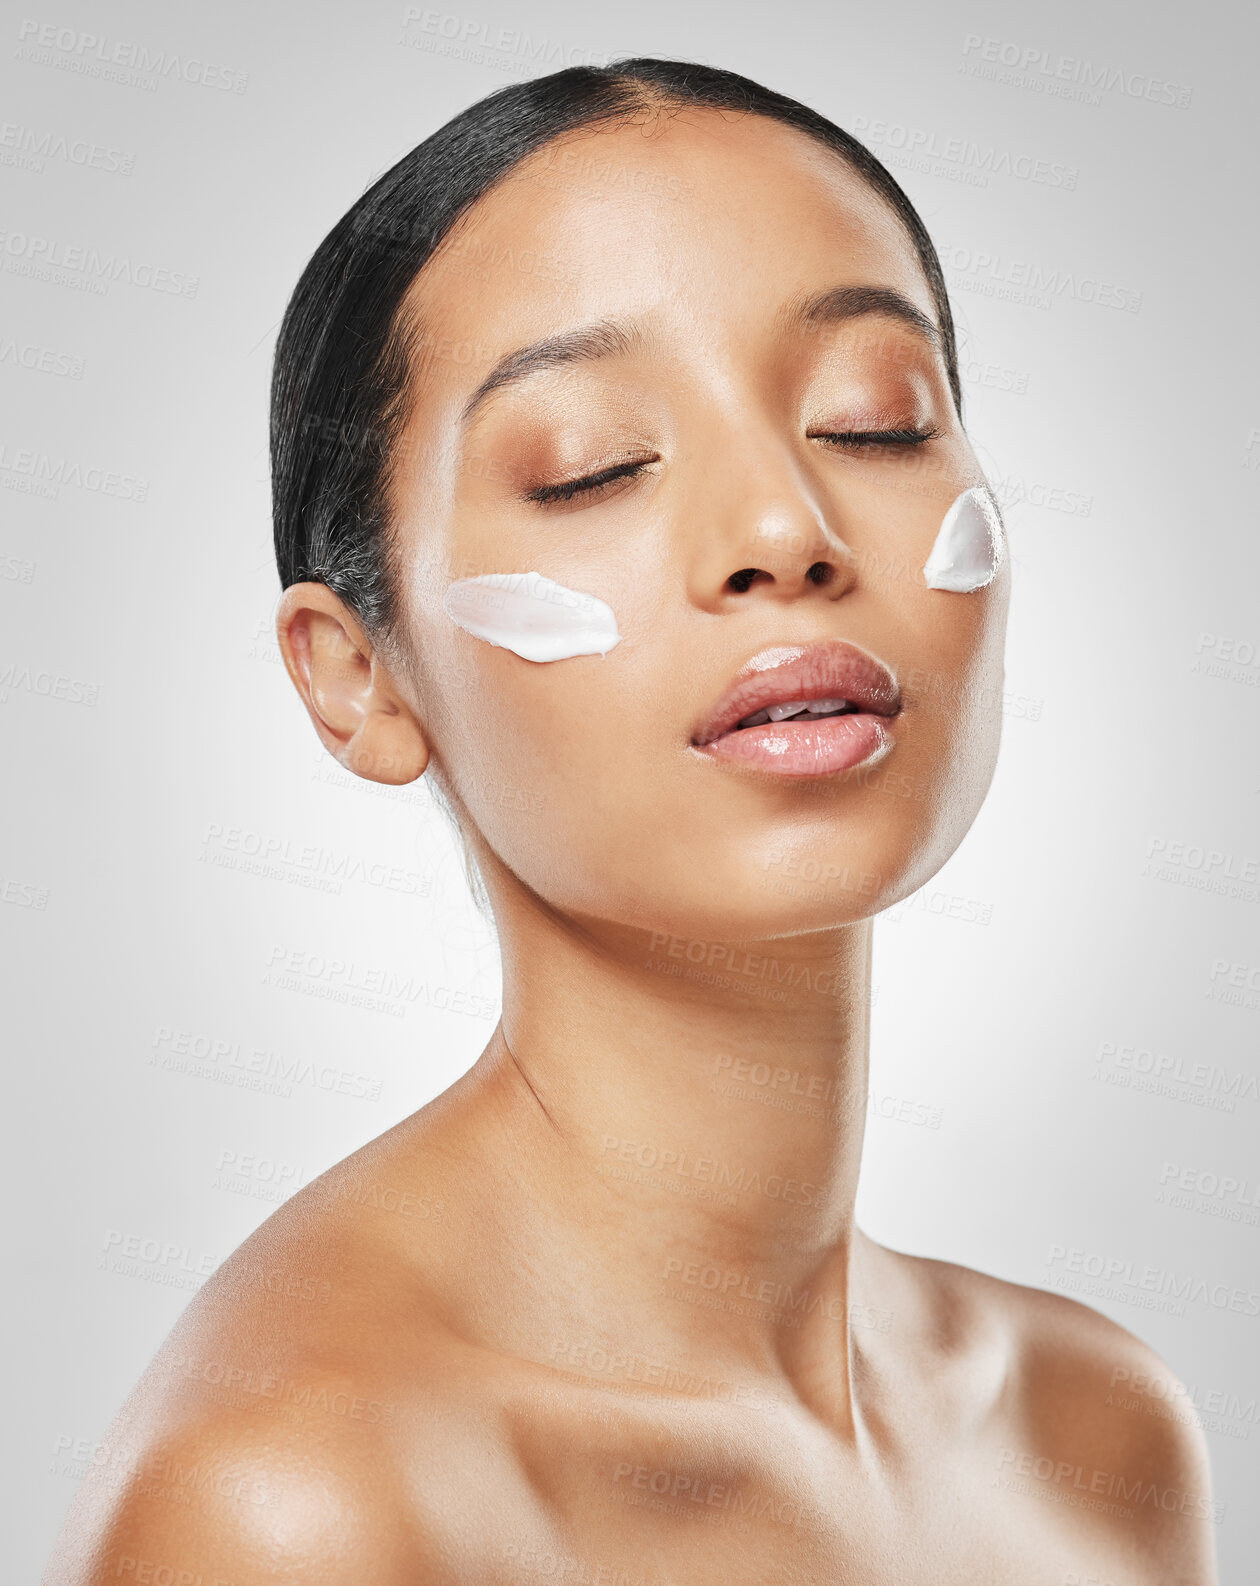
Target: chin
{"x": 788, "y": 890}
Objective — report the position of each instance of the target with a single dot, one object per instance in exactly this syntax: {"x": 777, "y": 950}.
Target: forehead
{"x": 700, "y": 222}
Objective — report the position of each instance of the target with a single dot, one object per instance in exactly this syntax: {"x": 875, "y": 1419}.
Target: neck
{"x": 697, "y": 1109}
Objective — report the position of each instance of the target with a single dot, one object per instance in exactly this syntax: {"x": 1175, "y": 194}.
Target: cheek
{"x": 936, "y": 560}
{"x": 536, "y": 717}
{"x": 539, "y": 755}
{"x": 969, "y": 548}
{"x": 534, "y": 617}
{"x": 957, "y": 694}
{"x": 534, "y": 713}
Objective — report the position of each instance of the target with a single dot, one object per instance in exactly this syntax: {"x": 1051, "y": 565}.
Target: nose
{"x": 798, "y": 566}
{"x": 768, "y": 538}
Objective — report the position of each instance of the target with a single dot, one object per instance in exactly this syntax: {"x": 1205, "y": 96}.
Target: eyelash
{"x": 854, "y": 440}
{"x": 590, "y": 482}
{"x": 857, "y": 439}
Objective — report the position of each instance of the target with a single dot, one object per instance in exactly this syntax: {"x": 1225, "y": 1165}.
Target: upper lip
{"x": 831, "y": 668}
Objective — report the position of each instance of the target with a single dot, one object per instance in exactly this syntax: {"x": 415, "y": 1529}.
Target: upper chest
{"x": 606, "y": 1493}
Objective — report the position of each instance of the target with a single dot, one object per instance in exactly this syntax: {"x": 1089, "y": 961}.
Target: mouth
{"x": 803, "y": 710}
{"x": 796, "y": 710}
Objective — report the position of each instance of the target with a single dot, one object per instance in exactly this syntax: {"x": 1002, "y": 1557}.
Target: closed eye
{"x": 848, "y": 440}
{"x": 856, "y": 440}
{"x": 588, "y": 484}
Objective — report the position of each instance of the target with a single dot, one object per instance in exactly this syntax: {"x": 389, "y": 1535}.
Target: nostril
{"x": 740, "y": 582}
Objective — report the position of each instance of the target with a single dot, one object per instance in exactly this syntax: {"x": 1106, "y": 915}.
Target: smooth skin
{"x": 598, "y": 1313}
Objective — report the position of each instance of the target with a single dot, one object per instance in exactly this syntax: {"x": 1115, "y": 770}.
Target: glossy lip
{"x": 829, "y": 669}
{"x": 806, "y": 747}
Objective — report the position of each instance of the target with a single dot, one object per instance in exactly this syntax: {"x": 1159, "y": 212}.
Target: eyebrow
{"x": 608, "y": 337}
{"x": 603, "y": 339}
{"x": 838, "y": 303}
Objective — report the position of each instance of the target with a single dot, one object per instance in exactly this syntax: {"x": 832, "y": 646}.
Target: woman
{"x": 619, "y": 464}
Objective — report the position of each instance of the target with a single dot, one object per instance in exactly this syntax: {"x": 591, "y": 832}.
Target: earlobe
{"x": 360, "y": 716}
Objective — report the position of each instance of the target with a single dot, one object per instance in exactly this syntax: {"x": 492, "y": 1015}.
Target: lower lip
{"x": 804, "y": 748}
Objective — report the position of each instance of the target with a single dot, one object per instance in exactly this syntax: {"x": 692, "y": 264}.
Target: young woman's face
{"x": 699, "y": 238}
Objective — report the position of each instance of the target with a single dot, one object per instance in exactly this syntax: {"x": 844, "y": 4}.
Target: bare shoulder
{"x": 273, "y": 1436}
{"x": 211, "y": 1498}
{"x": 1088, "y": 1417}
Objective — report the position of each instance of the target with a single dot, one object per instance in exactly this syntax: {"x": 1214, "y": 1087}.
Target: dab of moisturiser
{"x": 532, "y": 616}
{"x": 968, "y": 548}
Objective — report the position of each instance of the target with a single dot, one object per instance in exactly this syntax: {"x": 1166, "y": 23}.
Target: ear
{"x": 361, "y": 718}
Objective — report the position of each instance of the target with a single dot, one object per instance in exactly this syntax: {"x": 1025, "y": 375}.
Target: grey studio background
{"x": 229, "y": 965}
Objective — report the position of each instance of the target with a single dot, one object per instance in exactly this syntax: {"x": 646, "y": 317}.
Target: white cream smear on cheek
{"x": 532, "y": 616}
{"x": 968, "y": 548}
